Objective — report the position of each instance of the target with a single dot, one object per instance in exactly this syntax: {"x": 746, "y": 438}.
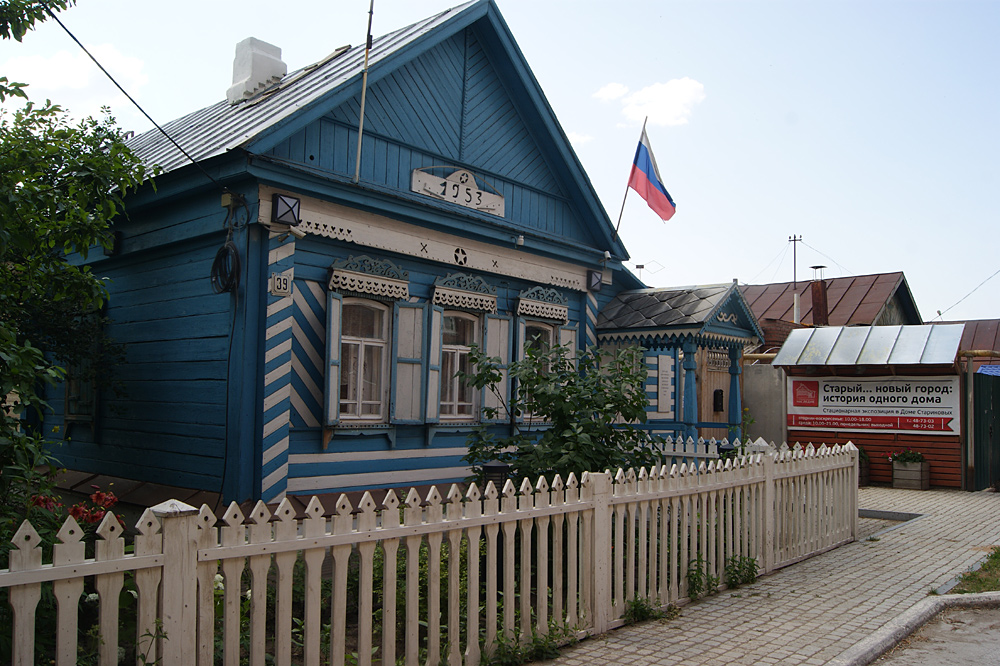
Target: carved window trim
{"x": 463, "y": 291}
{"x": 364, "y": 276}
{"x": 543, "y": 303}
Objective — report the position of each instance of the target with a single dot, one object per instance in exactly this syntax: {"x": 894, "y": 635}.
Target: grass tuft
{"x": 984, "y": 579}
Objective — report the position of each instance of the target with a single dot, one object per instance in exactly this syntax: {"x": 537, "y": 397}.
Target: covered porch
{"x": 693, "y": 339}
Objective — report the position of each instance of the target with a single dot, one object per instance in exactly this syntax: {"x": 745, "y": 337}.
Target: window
{"x": 363, "y": 350}
{"x": 538, "y": 337}
{"x": 459, "y": 333}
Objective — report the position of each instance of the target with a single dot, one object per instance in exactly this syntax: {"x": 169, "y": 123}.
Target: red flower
{"x": 46, "y": 502}
{"x": 105, "y": 500}
{"x": 78, "y": 511}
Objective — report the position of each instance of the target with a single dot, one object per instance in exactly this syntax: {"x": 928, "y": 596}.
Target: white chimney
{"x": 257, "y": 65}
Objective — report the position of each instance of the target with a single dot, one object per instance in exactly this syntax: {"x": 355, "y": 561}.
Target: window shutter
{"x": 521, "y": 339}
{"x": 568, "y": 337}
{"x": 407, "y": 402}
{"x": 331, "y": 408}
{"x": 435, "y": 317}
{"x": 497, "y": 342}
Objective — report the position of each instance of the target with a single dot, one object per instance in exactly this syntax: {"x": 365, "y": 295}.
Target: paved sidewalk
{"x": 811, "y": 612}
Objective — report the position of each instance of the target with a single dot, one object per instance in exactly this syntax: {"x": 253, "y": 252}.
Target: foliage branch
{"x": 570, "y": 414}
{"x": 62, "y": 185}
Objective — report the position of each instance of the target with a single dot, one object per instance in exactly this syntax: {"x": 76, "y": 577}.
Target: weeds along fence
{"x": 459, "y": 579}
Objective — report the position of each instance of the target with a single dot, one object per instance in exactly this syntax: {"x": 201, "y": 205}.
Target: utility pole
{"x": 794, "y": 240}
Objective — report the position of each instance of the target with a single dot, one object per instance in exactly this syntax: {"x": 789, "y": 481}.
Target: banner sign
{"x": 925, "y": 405}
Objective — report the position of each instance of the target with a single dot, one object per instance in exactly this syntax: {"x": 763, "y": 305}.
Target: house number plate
{"x": 459, "y": 188}
{"x": 281, "y": 284}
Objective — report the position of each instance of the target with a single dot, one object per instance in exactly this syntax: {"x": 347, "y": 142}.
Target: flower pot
{"x": 912, "y": 475}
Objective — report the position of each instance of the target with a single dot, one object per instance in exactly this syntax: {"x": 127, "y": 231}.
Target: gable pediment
{"x": 453, "y": 107}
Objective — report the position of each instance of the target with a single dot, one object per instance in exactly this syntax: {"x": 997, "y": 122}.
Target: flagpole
{"x": 622, "y": 211}
{"x": 364, "y": 89}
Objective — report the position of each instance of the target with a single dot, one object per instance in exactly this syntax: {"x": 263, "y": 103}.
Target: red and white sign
{"x": 925, "y": 405}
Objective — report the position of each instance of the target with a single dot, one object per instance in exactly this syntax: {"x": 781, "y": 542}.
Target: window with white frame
{"x": 538, "y": 337}
{"x": 364, "y": 366}
{"x": 459, "y": 332}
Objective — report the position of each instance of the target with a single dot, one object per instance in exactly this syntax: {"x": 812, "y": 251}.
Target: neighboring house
{"x": 290, "y": 330}
{"x": 694, "y": 339}
{"x": 881, "y": 299}
{"x": 883, "y": 388}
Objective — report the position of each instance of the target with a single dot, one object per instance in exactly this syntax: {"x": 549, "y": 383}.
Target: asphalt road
{"x": 955, "y": 637}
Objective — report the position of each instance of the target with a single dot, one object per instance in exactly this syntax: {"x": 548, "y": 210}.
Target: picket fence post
{"x": 598, "y": 491}
{"x": 853, "y": 493}
{"x": 769, "y": 492}
{"x": 179, "y": 527}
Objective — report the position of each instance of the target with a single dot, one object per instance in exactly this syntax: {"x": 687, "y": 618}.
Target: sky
{"x": 869, "y": 128}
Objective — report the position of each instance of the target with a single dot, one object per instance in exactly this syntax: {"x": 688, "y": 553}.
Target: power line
{"x": 827, "y": 256}
{"x": 782, "y": 253}
{"x": 778, "y": 267}
{"x": 134, "y": 103}
{"x": 941, "y": 313}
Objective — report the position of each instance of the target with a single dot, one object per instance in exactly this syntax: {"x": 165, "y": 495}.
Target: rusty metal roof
{"x": 221, "y": 127}
{"x": 856, "y": 300}
{"x": 871, "y": 345}
{"x": 980, "y": 334}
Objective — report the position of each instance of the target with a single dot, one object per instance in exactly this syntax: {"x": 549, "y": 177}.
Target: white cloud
{"x": 669, "y": 103}
{"x": 611, "y": 92}
{"x": 72, "y": 80}
{"x": 579, "y": 139}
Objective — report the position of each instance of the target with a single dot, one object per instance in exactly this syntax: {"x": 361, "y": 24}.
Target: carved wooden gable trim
{"x": 465, "y": 292}
{"x": 373, "y": 277}
{"x": 543, "y": 303}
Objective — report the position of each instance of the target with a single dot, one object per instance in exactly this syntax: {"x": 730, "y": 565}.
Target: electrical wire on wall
{"x": 226, "y": 267}
{"x": 225, "y": 274}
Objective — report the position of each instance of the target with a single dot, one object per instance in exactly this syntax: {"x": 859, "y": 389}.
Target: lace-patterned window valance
{"x": 363, "y": 275}
{"x": 465, "y": 292}
{"x": 543, "y": 303}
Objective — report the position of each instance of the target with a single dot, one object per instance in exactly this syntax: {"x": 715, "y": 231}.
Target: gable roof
{"x": 221, "y": 127}
{"x": 308, "y": 94}
{"x": 675, "y": 311}
{"x": 857, "y": 300}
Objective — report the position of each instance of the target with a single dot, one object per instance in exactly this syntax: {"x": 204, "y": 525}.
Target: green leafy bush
{"x": 570, "y": 414}
{"x": 741, "y": 570}
{"x": 906, "y": 456}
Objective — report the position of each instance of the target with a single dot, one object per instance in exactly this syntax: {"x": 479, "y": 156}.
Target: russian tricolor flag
{"x": 645, "y": 179}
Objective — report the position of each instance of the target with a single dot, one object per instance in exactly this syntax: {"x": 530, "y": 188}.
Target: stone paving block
{"x": 812, "y": 611}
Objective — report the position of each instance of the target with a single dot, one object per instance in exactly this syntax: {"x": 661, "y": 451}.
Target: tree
{"x": 581, "y": 414}
{"x": 62, "y": 185}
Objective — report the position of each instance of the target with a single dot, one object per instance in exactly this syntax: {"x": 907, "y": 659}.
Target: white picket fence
{"x": 465, "y": 571}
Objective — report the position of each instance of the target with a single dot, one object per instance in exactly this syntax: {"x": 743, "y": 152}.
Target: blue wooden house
{"x": 295, "y": 306}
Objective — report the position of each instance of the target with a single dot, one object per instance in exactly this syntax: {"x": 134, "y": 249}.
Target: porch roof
{"x": 871, "y": 345}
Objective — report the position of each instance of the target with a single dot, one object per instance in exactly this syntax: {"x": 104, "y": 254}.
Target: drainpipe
{"x": 968, "y": 452}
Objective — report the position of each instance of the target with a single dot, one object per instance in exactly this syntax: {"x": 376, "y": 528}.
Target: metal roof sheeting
{"x": 851, "y": 301}
{"x": 871, "y": 345}
{"x": 221, "y": 127}
{"x": 655, "y": 308}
